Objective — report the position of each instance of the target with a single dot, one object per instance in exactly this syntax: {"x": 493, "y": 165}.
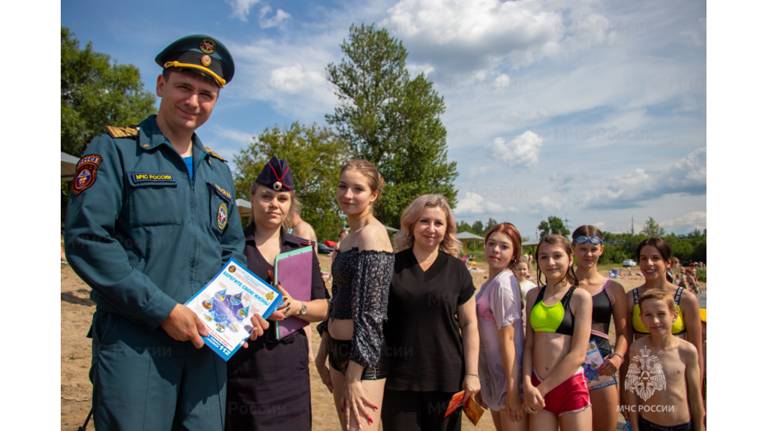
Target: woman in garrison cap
{"x": 268, "y": 383}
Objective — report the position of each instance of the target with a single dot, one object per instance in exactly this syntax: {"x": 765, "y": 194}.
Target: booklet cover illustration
{"x": 227, "y": 303}
{"x": 593, "y": 361}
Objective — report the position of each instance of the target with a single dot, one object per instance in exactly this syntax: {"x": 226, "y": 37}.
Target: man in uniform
{"x": 152, "y": 217}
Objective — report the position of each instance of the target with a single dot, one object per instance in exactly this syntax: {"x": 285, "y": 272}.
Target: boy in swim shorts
{"x": 663, "y": 380}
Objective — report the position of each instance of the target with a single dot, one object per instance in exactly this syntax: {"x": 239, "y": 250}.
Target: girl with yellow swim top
{"x": 558, "y": 326}
{"x": 654, "y": 257}
{"x": 608, "y": 303}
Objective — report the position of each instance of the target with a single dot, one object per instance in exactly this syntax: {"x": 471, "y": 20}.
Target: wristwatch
{"x": 303, "y": 309}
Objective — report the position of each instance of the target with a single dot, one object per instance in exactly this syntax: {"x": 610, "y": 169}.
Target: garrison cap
{"x": 201, "y": 53}
{"x": 276, "y": 175}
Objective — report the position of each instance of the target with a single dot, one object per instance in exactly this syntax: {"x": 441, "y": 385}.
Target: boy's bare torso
{"x": 657, "y": 376}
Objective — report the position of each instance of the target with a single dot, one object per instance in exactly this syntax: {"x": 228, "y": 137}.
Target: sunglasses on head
{"x": 588, "y": 239}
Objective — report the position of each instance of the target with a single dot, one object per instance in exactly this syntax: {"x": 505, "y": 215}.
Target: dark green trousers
{"x": 144, "y": 380}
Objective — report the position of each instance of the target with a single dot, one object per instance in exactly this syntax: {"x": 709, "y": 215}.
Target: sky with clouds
{"x": 594, "y": 111}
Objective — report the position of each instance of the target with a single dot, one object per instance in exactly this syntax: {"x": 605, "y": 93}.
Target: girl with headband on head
{"x": 608, "y": 301}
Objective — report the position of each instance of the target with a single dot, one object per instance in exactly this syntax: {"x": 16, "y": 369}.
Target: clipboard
{"x": 293, "y": 269}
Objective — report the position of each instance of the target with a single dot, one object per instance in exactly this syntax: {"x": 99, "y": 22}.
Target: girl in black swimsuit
{"x": 608, "y": 300}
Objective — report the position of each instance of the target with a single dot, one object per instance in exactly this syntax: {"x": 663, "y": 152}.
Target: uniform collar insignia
{"x": 123, "y": 132}
{"x": 213, "y": 154}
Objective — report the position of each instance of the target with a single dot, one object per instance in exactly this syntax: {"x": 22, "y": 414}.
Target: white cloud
{"x": 501, "y": 81}
{"x": 294, "y": 78}
{"x": 686, "y": 176}
{"x": 523, "y": 150}
{"x": 479, "y": 75}
{"x": 275, "y": 21}
{"x": 237, "y": 136}
{"x": 289, "y": 75}
{"x": 474, "y": 204}
{"x": 241, "y": 8}
{"x": 466, "y": 33}
{"x": 550, "y": 203}
{"x": 686, "y": 222}
{"x": 415, "y": 69}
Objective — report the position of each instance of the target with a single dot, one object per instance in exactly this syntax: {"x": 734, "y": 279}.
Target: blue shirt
{"x": 190, "y": 167}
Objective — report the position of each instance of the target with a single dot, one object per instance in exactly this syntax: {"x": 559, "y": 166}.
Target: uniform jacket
{"x": 144, "y": 235}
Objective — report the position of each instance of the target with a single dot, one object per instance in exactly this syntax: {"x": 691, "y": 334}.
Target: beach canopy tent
{"x": 468, "y": 236}
{"x": 244, "y": 207}
{"x": 68, "y": 163}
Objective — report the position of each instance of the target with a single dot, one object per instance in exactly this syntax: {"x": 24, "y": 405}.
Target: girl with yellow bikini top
{"x": 678, "y": 326}
{"x": 654, "y": 257}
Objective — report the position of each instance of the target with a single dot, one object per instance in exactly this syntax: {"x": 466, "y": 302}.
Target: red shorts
{"x": 570, "y": 396}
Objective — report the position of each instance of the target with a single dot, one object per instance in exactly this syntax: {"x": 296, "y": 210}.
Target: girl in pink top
{"x": 500, "y": 322}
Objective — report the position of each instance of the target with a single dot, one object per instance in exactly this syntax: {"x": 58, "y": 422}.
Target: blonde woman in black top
{"x": 431, "y": 333}
{"x": 353, "y": 338}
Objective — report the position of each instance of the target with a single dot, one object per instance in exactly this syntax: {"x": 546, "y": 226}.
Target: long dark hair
{"x": 563, "y": 242}
{"x": 663, "y": 248}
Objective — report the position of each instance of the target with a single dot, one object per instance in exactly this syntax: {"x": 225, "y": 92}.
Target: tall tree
{"x": 315, "y": 156}
{"x": 391, "y": 119}
{"x": 491, "y": 223}
{"x": 477, "y": 227}
{"x": 96, "y": 92}
{"x": 553, "y": 225}
{"x": 652, "y": 228}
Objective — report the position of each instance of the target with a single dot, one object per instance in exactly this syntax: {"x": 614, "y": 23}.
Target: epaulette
{"x": 214, "y": 154}
{"x": 123, "y": 132}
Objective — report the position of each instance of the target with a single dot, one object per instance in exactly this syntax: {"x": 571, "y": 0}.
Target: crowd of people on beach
{"x": 153, "y": 216}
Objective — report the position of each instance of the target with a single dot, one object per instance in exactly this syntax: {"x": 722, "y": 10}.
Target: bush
{"x": 701, "y": 274}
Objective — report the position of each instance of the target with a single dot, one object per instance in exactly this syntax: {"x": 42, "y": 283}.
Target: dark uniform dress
{"x": 268, "y": 383}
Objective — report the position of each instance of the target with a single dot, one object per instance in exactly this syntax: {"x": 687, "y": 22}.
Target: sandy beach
{"x": 76, "y": 312}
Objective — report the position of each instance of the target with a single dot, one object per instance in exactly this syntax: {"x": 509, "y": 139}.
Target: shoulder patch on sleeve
{"x": 85, "y": 173}
{"x": 214, "y": 154}
{"x": 123, "y": 132}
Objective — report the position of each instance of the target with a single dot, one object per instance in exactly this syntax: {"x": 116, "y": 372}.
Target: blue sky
{"x": 590, "y": 110}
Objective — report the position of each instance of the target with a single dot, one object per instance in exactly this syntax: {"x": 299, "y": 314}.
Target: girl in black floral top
{"x": 353, "y": 338}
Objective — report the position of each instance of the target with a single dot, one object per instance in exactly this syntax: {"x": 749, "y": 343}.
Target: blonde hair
{"x": 404, "y": 238}
{"x": 658, "y": 295}
{"x": 369, "y": 171}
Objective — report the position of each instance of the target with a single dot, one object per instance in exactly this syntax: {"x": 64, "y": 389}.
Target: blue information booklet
{"x": 227, "y": 303}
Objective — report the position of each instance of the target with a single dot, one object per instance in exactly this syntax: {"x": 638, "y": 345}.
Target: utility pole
{"x": 633, "y": 225}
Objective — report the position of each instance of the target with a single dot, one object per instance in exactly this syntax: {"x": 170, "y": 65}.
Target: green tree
{"x": 553, "y": 225}
{"x": 315, "y": 157}
{"x": 491, "y": 223}
{"x": 463, "y": 226}
{"x": 95, "y": 93}
{"x": 391, "y": 119}
{"x": 652, "y": 229}
{"x": 477, "y": 227}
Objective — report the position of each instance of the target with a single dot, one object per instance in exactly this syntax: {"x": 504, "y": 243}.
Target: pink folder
{"x": 293, "y": 269}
